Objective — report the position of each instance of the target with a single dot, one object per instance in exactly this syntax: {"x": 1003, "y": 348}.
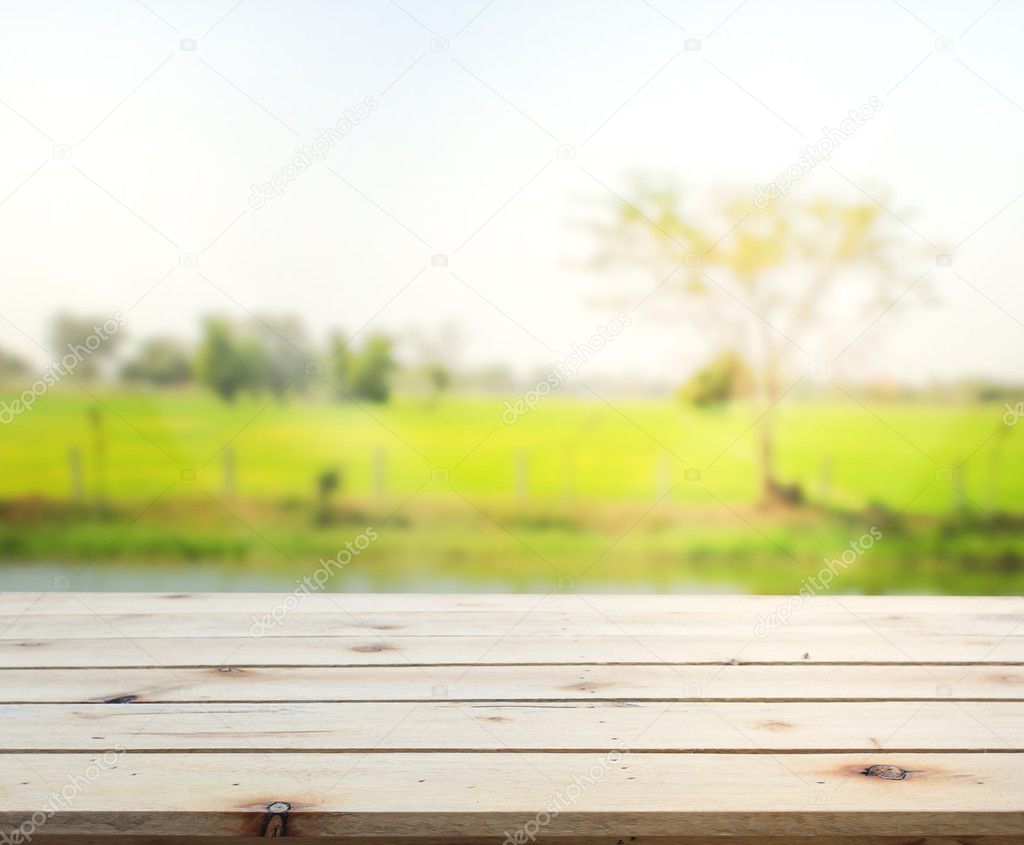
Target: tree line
{"x": 254, "y": 356}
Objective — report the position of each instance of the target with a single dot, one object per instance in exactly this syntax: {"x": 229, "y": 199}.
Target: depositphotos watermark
{"x": 819, "y": 583}
{"x": 565, "y": 798}
{"x": 63, "y": 800}
{"x": 312, "y": 583}
{"x": 308, "y": 154}
{"x": 1013, "y": 413}
{"x": 561, "y": 371}
{"x": 65, "y": 366}
{"x": 812, "y": 155}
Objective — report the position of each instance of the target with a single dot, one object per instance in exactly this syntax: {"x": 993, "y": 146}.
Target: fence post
{"x": 569, "y": 476}
{"x": 75, "y": 472}
{"x": 522, "y": 475}
{"x": 663, "y": 476}
{"x": 229, "y": 471}
{"x": 379, "y": 471}
{"x": 995, "y": 459}
{"x": 100, "y": 450}
{"x": 825, "y": 481}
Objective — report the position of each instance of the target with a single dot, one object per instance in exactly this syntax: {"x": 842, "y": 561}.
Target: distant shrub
{"x": 720, "y": 381}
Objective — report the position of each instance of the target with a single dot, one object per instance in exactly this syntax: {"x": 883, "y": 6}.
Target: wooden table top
{"x": 473, "y": 718}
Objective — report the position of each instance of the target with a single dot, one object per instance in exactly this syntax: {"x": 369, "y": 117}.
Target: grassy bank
{"x": 580, "y": 494}
{"x": 491, "y": 545}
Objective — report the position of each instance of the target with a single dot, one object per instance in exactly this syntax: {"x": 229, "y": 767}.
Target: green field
{"x": 636, "y": 493}
{"x": 574, "y": 449}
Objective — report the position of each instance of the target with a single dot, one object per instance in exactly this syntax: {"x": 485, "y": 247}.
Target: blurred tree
{"x": 283, "y": 341}
{"x": 159, "y": 361}
{"x": 229, "y": 362}
{"x": 490, "y": 379}
{"x": 373, "y": 369}
{"x": 87, "y": 338}
{"x": 765, "y": 281}
{"x": 13, "y": 367}
{"x": 437, "y": 355}
{"x": 724, "y": 378}
{"x": 439, "y": 376}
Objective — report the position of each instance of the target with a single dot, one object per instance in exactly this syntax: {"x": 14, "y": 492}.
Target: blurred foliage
{"x": 71, "y": 332}
{"x": 228, "y": 361}
{"x": 159, "y": 362}
{"x": 725, "y": 378}
{"x": 373, "y": 370}
{"x": 13, "y": 367}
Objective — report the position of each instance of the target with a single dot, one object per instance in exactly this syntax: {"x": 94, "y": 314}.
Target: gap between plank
{"x": 518, "y": 665}
{"x": 524, "y": 701}
{"x": 510, "y": 750}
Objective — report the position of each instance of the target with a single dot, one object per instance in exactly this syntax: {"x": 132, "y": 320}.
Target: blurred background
{"x": 585, "y": 295}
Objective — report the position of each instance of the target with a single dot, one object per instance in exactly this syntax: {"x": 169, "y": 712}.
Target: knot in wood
{"x": 886, "y": 772}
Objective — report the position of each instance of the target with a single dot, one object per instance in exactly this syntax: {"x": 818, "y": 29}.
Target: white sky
{"x": 461, "y": 159}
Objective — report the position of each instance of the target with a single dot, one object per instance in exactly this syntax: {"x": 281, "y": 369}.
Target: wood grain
{"x": 456, "y": 719}
{"x": 815, "y": 624}
{"x": 530, "y": 726}
{"x": 449, "y": 794}
{"x": 387, "y": 648}
{"x": 621, "y": 839}
{"x": 493, "y": 683}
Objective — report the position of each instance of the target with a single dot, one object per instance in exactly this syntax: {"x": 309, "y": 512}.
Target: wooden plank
{"x": 529, "y": 726}
{"x": 384, "y": 648}
{"x": 403, "y": 683}
{"x": 63, "y": 603}
{"x": 561, "y": 840}
{"x": 451, "y": 794}
{"x": 812, "y": 622}
{"x": 394, "y": 716}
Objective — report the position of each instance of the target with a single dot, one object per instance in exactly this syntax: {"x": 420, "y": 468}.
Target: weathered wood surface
{"x": 561, "y": 840}
{"x": 390, "y": 649}
{"x": 341, "y": 622}
{"x": 747, "y": 727}
{"x": 450, "y": 794}
{"x": 493, "y": 683}
{"x": 377, "y": 719}
{"x": 604, "y": 839}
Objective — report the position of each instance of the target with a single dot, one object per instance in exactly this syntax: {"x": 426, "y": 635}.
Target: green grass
{"x": 452, "y": 513}
{"x": 424, "y": 546}
{"x": 575, "y": 450}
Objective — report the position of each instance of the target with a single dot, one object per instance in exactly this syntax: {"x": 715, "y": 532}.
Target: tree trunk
{"x": 773, "y": 492}
{"x": 766, "y": 466}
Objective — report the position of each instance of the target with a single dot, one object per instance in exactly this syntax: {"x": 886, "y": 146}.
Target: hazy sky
{"x": 125, "y": 152}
